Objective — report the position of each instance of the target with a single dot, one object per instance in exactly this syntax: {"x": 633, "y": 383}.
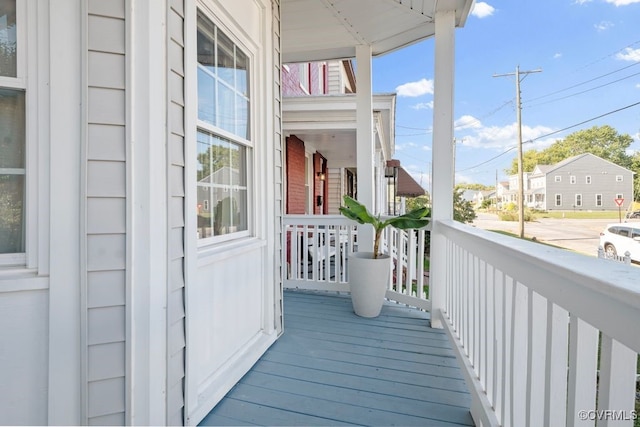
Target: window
{"x": 305, "y": 77}
{"x": 587, "y": 179}
{"x": 572, "y": 179}
{"x": 224, "y": 135}
{"x": 619, "y": 196}
{"x": 12, "y": 135}
{"x": 618, "y": 178}
{"x": 558, "y": 178}
{"x": 558, "y": 199}
{"x": 598, "y": 199}
{"x": 578, "y": 200}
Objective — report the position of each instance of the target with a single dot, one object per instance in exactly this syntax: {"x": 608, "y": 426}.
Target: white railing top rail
{"x": 602, "y": 293}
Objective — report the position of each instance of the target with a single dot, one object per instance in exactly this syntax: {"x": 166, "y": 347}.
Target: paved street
{"x": 580, "y": 235}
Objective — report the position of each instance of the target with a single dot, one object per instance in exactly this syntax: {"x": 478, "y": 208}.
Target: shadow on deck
{"x": 331, "y": 367}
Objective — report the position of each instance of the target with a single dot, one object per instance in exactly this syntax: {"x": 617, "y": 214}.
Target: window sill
{"x": 18, "y": 279}
{"x": 218, "y": 252}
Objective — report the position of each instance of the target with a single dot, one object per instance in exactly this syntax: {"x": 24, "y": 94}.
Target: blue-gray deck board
{"x": 331, "y": 367}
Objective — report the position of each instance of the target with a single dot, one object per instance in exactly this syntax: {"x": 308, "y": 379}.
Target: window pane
{"x": 242, "y": 73}
{"x": 206, "y": 44}
{"x": 225, "y": 59}
{"x": 8, "y": 40}
{"x": 11, "y": 213}
{"x": 226, "y": 116}
{"x": 12, "y": 171}
{"x": 223, "y": 80}
{"x": 206, "y": 96}
{"x": 222, "y": 191}
{"x": 242, "y": 116}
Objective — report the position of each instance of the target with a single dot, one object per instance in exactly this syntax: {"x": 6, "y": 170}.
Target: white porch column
{"x": 365, "y": 150}
{"x": 443, "y": 168}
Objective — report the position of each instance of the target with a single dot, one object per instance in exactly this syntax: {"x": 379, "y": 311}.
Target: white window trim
{"x": 587, "y": 179}
{"x": 206, "y": 245}
{"x": 557, "y": 178}
{"x": 619, "y": 178}
{"x": 572, "y": 179}
{"x": 29, "y": 58}
{"x": 576, "y": 198}
{"x": 555, "y": 200}
{"x": 601, "y": 200}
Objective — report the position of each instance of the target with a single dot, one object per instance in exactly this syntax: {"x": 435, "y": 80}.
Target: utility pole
{"x": 519, "y": 73}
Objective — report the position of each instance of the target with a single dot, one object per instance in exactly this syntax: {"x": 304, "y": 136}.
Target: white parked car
{"x": 617, "y": 239}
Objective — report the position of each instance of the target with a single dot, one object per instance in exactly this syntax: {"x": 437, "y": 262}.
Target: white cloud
{"x": 629, "y": 55}
{"x": 582, "y": 1}
{"x": 622, "y": 2}
{"x": 406, "y": 146}
{"x": 482, "y": 10}
{"x": 467, "y": 122}
{"x": 413, "y": 89}
{"x": 423, "y": 106}
{"x": 557, "y": 56}
{"x": 504, "y": 137}
{"x": 603, "y": 26}
{"x": 638, "y": 86}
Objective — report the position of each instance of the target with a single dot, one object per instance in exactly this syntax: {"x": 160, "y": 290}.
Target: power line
{"x": 585, "y": 91}
{"x": 583, "y": 83}
{"x": 583, "y": 122}
{"x": 549, "y": 134}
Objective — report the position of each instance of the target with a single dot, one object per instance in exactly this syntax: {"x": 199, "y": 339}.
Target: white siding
{"x": 23, "y": 358}
{"x": 336, "y": 190}
{"x": 175, "y": 147}
{"x": 105, "y": 213}
{"x": 279, "y": 161}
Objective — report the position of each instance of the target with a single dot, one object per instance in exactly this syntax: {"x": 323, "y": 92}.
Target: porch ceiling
{"x": 328, "y": 124}
{"x": 314, "y": 30}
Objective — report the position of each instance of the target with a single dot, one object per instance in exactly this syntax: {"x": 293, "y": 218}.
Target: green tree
{"x": 417, "y": 202}
{"x": 602, "y": 141}
{"x": 462, "y": 209}
{"x": 477, "y": 187}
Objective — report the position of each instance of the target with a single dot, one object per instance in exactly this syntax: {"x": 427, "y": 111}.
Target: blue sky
{"x": 589, "y": 54}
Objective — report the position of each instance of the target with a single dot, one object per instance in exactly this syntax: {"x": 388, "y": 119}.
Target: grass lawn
{"x": 580, "y": 214}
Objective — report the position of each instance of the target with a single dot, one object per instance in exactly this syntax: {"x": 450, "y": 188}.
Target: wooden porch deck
{"x": 331, "y": 367}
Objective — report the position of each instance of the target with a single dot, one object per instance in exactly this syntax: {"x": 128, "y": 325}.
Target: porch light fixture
{"x": 321, "y": 176}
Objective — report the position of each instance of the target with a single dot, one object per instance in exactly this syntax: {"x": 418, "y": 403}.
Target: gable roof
{"x": 570, "y": 160}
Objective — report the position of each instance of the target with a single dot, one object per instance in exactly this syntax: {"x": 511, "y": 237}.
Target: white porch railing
{"x": 542, "y": 333}
{"x": 317, "y": 248}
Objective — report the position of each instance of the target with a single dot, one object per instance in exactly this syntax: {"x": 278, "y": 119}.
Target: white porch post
{"x": 443, "y": 168}
{"x": 365, "y": 150}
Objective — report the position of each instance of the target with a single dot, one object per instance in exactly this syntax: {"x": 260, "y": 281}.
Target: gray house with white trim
{"x": 582, "y": 182}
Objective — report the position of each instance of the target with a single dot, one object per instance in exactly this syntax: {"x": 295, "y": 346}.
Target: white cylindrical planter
{"x": 368, "y": 282}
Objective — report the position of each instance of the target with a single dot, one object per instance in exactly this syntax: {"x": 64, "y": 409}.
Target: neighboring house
{"x": 115, "y": 309}
{"x": 320, "y": 129}
{"x": 483, "y": 195}
{"x": 582, "y": 182}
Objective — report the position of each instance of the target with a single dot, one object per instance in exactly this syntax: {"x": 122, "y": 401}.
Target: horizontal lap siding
{"x": 175, "y": 147}
{"x": 279, "y": 156}
{"x": 106, "y": 213}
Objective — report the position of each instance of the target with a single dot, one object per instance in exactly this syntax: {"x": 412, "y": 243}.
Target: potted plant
{"x": 369, "y": 271}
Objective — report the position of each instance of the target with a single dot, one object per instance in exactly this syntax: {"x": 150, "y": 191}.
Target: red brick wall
{"x": 291, "y": 79}
{"x": 295, "y": 176}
